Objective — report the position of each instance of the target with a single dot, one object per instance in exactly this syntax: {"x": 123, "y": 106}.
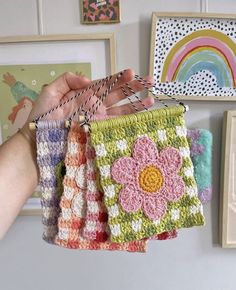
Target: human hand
{"x": 9, "y": 79}
{"x": 69, "y": 84}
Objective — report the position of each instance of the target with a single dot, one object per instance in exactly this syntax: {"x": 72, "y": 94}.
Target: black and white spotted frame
{"x": 193, "y": 56}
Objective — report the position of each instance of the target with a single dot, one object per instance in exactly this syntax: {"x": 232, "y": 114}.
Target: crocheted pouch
{"x": 146, "y": 173}
{"x": 96, "y": 218}
{"x": 51, "y": 140}
{"x": 200, "y": 141}
{"x": 74, "y": 206}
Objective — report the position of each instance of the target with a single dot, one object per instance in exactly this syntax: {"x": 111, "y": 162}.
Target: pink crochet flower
{"x": 150, "y": 178}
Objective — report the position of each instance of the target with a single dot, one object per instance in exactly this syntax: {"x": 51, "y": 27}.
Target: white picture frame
{"x": 191, "y": 54}
{"x": 97, "y": 49}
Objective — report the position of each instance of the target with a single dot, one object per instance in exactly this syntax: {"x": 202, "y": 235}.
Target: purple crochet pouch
{"x": 51, "y": 140}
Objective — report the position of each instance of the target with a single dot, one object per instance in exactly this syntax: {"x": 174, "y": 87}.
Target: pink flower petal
{"x": 123, "y": 170}
{"x": 145, "y": 150}
{"x": 174, "y": 188}
{"x": 102, "y": 16}
{"x": 170, "y": 160}
{"x": 154, "y": 206}
{"x": 94, "y": 6}
{"x": 130, "y": 199}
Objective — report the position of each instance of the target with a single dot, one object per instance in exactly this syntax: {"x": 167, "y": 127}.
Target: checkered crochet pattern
{"x": 51, "y": 143}
{"x": 73, "y": 201}
{"x": 96, "y": 215}
{"x": 163, "y": 134}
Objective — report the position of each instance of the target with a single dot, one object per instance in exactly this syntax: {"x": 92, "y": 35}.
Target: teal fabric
{"x": 201, "y": 154}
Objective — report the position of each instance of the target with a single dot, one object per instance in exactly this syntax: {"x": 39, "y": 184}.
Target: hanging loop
{"x": 140, "y": 79}
{"x": 33, "y": 124}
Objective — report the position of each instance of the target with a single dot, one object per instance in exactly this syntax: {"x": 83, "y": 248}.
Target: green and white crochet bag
{"x": 146, "y": 173}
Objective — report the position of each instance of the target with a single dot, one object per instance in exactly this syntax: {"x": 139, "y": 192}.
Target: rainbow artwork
{"x": 196, "y": 56}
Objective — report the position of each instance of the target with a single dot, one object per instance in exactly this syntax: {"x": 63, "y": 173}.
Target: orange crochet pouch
{"x": 73, "y": 202}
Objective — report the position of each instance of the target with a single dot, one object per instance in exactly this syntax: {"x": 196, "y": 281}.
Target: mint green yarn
{"x": 201, "y": 153}
{"x": 203, "y": 161}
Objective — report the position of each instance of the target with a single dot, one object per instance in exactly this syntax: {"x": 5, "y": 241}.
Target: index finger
{"x": 65, "y": 83}
{"x": 130, "y": 88}
{"x": 126, "y": 76}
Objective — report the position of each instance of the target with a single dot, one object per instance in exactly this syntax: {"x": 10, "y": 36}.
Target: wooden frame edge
{"x": 224, "y": 184}
{"x": 113, "y": 53}
{"x": 55, "y": 37}
{"x": 152, "y": 44}
{"x": 223, "y": 201}
{"x": 30, "y": 212}
{"x": 195, "y": 14}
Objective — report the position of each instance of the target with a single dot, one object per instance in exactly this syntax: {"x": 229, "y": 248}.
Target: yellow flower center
{"x": 150, "y": 179}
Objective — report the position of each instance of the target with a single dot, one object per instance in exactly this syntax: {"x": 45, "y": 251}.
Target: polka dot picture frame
{"x": 192, "y": 56}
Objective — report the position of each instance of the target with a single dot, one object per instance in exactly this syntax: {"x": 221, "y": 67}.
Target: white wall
{"x": 195, "y": 260}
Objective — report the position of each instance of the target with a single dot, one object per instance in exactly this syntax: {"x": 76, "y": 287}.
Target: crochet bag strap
{"x": 139, "y": 100}
{"x": 148, "y": 85}
{"x": 99, "y": 84}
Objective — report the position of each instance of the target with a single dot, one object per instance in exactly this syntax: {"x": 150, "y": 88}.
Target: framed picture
{"x": 20, "y": 86}
{"x": 28, "y": 63}
{"x": 192, "y": 56}
{"x": 100, "y": 11}
{"x": 228, "y": 182}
